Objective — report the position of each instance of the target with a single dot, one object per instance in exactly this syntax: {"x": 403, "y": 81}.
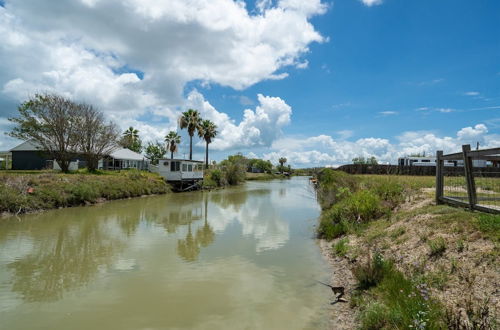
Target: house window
{"x": 426, "y": 161}
{"x": 175, "y": 166}
{"x": 190, "y": 168}
{"x": 165, "y": 164}
{"x": 184, "y": 167}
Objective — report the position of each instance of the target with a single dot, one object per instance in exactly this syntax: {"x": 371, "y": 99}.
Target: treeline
{"x": 234, "y": 169}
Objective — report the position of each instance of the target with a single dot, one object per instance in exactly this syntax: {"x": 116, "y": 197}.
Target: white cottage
{"x": 179, "y": 170}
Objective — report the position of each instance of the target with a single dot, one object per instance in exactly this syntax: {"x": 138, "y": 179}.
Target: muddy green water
{"x": 239, "y": 258}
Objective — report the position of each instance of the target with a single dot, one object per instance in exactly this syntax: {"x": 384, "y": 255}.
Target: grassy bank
{"x": 263, "y": 176}
{"x": 28, "y": 191}
{"x": 406, "y": 262}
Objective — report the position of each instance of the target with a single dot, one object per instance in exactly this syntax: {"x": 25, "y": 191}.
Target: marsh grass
{"x": 22, "y": 193}
{"x": 396, "y": 301}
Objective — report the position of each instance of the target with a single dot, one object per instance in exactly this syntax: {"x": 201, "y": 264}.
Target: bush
{"x": 362, "y": 206}
{"x": 217, "y": 176}
{"x": 334, "y": 186}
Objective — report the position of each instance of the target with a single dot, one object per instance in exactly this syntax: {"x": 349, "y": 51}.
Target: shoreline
{"x": 459, "y": 276}
{"x": 28, "y": 193}
{"x": 342, "y": 316}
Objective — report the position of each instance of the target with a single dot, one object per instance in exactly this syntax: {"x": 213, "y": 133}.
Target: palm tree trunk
{"x": 190, "y": 147}
{"x": 206, "y": 157}
{"x": 171, "y": 155}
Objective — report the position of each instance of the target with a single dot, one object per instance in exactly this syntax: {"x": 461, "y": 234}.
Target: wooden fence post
{"x": 469, "y": 176}
{"x": 439, "y": 176}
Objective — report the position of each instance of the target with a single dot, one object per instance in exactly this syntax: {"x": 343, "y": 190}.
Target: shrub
{"x": 330, "y": 230}
{"x": 334, "y": 186}
{"x": 437, "y": 247}
{"x": 362, "y": 206}
{"x": 217, "y": 177}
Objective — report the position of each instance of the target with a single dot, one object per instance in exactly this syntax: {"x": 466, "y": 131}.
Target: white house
{"x": 179, "y": 170}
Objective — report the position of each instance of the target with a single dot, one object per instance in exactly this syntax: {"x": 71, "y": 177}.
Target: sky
{"x": 317, "y": 82}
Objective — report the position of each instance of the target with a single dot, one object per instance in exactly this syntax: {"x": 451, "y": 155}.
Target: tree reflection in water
{"x": 68, "y": 262}
{"x": 189, "y": 247}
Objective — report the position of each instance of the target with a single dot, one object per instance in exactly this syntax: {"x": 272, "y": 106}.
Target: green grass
{"x": 341, "y": 247}
{"x": 392, "y": 300}
{"x": 437, "y": 247}
{"x": 22, "y": 192}
{"x": 489, "y": 225}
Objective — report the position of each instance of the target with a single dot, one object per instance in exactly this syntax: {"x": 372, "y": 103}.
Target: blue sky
{"x": 337, "y": 79}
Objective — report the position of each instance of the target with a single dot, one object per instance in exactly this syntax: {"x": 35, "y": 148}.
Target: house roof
{"x": 182, "y": 160}
{"x": 29, "y": 145}
{"x": 127, "y": 154}
{"x": 119, "y": 153}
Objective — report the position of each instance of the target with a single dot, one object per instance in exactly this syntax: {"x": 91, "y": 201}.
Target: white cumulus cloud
{"x": 370, "y": 3}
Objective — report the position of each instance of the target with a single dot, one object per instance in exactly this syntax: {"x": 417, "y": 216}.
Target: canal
{"x": 237, "y": 258}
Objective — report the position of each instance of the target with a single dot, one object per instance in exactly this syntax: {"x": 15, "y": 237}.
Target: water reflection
{"x": 69, "y": 260}
{"x": 65, "y": 250}
{"x": 189, "y": 247}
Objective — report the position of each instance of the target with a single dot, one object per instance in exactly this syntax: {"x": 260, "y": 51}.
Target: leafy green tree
{"x": 264, "y": 165}
{"x": 155, "y": 151}
{"x": 131, "y": 140}
{"x": 51, "y": 122}
{"x": 190, "y": 120}
{"x": 207, "y": 131}
{"x": 234, "y": 169}
{"x": 359, "y": 160}
{"x": 172, "y": 139}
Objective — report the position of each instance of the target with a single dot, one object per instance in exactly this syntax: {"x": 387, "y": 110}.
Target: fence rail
{"x": 475, "y": 185}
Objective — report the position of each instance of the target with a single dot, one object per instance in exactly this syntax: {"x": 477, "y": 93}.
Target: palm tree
{"x": 131, "y": 140}
{"x": 172, "y": 140}
{"x": 131, "y": 133}
{"x": 207, "y": 131}
{"x": 191, "y": 120}
{"x": 282, "y": 161}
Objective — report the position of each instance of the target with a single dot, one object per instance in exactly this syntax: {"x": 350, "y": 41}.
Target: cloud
{"x": 345, "y": 134}
{"x": 370, "y": 3}
{"x": 388, "y": 113}
{"x": 139, "y": 65}
{"x": 260, "y": 127}
{"x": 323, "y": 150}
{"x": 471, "y": 93}
{"x": 468, "y": 133}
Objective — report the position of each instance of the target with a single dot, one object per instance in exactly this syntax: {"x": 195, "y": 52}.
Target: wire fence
{"x": 469, "y": 178}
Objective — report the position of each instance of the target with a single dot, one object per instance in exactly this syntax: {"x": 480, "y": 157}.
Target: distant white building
{"x": 431, "y": 161}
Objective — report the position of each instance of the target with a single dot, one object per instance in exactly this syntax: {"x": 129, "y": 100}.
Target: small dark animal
{"x": 338, "y": 291}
